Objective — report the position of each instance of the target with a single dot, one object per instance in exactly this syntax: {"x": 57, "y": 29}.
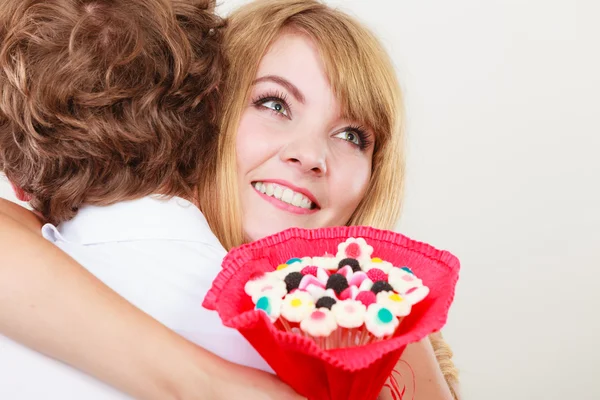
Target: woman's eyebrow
{"x": 282, "y": 82}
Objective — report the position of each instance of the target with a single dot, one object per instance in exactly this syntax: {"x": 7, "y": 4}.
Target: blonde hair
{"x": 362, "y": 77}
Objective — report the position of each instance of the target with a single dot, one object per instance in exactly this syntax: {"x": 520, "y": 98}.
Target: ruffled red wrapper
{"x": 356, "y": 373}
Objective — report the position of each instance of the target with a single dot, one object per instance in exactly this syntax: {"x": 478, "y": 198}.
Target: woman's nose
{"x": 307, "y": 154}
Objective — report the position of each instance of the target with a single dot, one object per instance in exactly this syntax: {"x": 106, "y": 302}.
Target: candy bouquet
{"x": 331, "y": 310}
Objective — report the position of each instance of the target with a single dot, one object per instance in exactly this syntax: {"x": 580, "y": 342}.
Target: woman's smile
{"x": 286, "y": 196}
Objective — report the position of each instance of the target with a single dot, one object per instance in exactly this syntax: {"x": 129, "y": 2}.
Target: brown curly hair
{"x": 107, "y": 100}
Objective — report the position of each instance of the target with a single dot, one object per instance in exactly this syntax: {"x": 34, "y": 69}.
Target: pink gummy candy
{"x": 345, "y": 271}
{"x": 349, "y": 293}
{"x": 375, "y": 274}
{"x": 310, "y": 270}
{"x": 310, "y": 280}
{"x": 353, "y": 250}
{"x": 367, "y": 298}
{"x": 357, "y": 279}
{"x": 346, "y": 294}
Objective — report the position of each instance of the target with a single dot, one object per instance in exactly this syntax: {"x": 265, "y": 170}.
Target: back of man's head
{"x": 106, "y": 100}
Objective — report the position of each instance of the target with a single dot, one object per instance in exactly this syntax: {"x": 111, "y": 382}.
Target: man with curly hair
{"x": 107, "y": 123}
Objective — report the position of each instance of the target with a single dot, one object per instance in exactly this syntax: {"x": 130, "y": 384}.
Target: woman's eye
{"x": 276, "y": 106}
{"x": 349, "y": 136}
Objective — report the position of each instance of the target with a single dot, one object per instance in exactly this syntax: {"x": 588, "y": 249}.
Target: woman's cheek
{"x": 250, "y": 142}
{"x": 349, "y": 186}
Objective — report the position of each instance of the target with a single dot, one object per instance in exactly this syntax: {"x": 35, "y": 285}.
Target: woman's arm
{"x": 52, "y": 304}
{"x": 27, "y": 219}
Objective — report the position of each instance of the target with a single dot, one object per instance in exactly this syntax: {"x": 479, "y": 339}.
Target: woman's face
{"x": 299, "y": 162}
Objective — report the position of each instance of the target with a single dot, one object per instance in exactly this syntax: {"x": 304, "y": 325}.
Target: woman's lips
{"x": 308, "y": 208}
{"x": 293, "y": 188}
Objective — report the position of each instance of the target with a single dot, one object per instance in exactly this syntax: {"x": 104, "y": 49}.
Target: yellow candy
{"x": 395, "y": 297}
{"x": 376, "y": 260}
{"x": 281, "y": 266}
{"x": 296, "y": 303}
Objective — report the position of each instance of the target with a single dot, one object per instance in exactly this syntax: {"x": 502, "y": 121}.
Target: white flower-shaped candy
{"x": 297, "y": 306}
{"x": 349, "y": 313}
{"x": 356, "y": 248}
{"x": 319, "y": 323}
{"x": 271, "y": 305}
{"x": 380, "y": 320}
{"x": 398, "y": 305}
{"x": 262, "y": 284}
{"x": 402, "y": 280}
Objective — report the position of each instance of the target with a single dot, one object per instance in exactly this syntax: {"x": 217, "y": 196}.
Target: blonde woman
{"x": 311, "y": 137}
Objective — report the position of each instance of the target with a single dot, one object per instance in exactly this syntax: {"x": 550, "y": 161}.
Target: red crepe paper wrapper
{"x": 355, "y": 373}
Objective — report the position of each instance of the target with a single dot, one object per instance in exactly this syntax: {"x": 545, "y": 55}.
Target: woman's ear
{"x": 20, "y": 193}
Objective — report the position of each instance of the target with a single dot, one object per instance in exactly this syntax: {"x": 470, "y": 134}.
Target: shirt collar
{"x": 148, "y": 218}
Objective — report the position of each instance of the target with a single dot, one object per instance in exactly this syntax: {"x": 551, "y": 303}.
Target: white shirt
{"x": 162, "y": 257}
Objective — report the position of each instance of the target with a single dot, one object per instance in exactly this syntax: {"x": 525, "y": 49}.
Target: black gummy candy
{"x": 353, "y": 263}
{"x": 381, "y": 286}
{"x": 326, "y": 302}
{"x": 337, "y": 282}
{"x": 292, "y": 280}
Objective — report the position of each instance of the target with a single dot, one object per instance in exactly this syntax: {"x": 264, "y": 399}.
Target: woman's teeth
{"x": 284, "y": 194}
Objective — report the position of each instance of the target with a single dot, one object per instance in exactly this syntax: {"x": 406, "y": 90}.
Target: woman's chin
{"x": 259, "y": 232}
{"x": 273, "y": 220}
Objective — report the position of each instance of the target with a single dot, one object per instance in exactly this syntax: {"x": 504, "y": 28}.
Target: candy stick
{"x": 279, "y": 325}
{"x": 343, "y": 336}
{"x": 285, "y": 324}
{"x": 364, "y": 337}
{"x": 299, "y": 331}
{"x": 350, "y": 342}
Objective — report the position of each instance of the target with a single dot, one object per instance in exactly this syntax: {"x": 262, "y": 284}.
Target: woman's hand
{"x": 418, "y": 375}
{"x": 252, "y": 384}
